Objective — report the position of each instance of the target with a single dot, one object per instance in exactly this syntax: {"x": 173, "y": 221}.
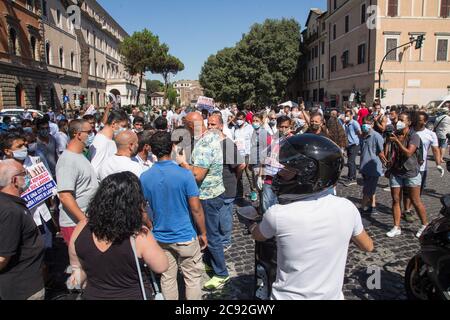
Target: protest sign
{"x": 41, "y": 188}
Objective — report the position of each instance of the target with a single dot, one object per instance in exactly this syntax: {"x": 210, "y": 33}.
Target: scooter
{"x": 265, "y": 256}
{"x": 427, "y": 275}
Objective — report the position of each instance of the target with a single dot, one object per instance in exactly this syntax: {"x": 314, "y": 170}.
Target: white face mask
{"x": 401, "y": 125}
{"x": 240, "y": 122}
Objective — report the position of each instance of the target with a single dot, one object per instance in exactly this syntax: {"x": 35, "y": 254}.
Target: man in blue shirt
{"x": 353, "y": 131}
{"x": 173, "y": 197}
{"x": 372, "y": 146}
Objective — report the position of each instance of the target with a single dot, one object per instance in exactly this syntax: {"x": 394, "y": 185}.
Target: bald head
{"x": 125, "y": 138}
{"x": 8, "y": 170}
{"x": 194, "y": 123}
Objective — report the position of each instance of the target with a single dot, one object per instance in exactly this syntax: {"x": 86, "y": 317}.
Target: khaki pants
{"x": 189, "y": 257}
{"x": 38, "y": 296}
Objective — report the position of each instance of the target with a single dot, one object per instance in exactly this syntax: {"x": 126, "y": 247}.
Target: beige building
{"x": 356, "y": 40}
{"x": 157, "y": 99}
{"x": 188, "y": 91}
{"x": 68, "y": 64}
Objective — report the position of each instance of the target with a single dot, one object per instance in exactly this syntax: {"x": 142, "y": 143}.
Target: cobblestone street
{"x": 390, "y": 255}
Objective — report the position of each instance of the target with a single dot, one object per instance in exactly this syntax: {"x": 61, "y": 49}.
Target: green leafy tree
{"x": 154, "y": 86}
{"x": 258, "y": 69}
{"x": 166, "y": 65}
{"x": 172, "y": 96}
{"x": 139, "y": 53}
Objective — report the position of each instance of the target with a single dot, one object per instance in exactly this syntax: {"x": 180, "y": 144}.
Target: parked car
{"x": 439, "y": 106}
{"x": 16, "y": 114}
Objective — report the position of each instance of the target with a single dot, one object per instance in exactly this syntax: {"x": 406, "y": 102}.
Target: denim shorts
{"x": 397, "y": 182}
{"x": 443, "y": 143}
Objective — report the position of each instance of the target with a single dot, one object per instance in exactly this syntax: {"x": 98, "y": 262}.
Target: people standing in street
{"x": 242, "y": 137}
{"x": 362, "y": 113}
{"x": 371, "y": 167}
{"x": 405, "y": 172}
{"x": 178, "y": 219}
{"x": 145, "y": 157}
{"x": 103, "y": 145}
{"x": 353, "y": 131}
{"x": 77, "y": 179}
{"x": 207, "y": 167}
{"x": 127, "y": 144}
{"x": 21, "y": 244}
{"x": 46, "y": 144}
{"x": 317, "y": 125}
{"x": 429, "y": 140}
{"x": 101, "y": 249}
{"x": 312, "y": 227}
{"x": 233, "y": 167}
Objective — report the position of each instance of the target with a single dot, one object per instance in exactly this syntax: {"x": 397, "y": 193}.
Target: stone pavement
{"x": 390, "y": 256}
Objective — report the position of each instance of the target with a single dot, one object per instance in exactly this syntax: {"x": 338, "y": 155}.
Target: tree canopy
{"x": 258, "y": 69}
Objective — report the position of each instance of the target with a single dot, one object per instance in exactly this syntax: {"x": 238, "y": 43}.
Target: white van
{"x": 439, "y": 105}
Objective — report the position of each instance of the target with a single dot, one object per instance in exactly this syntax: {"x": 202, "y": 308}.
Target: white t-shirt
{"x": 313, "y": 237}
{"x": 61, "y": 142}
{"x": 101, "y": 149}
{"x": 242, "y": 137}
{"x": 116, "y": 164}
{"x": 429, "y": 139}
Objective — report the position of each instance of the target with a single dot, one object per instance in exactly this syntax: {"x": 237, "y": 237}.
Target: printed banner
{"x": 41, "y": 188}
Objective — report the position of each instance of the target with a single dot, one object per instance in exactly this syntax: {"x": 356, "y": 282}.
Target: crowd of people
{"x": 155, "y": 192}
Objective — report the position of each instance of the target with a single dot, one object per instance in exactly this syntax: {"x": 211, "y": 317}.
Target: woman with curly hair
{"x": 337, "y": 133}
{"x": 101, "y": 249}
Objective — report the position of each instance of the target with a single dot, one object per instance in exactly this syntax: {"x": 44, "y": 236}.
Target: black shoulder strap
{"x": 439, "y": 123}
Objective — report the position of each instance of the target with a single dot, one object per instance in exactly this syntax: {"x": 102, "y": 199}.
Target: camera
{"x": 389, "y": 132}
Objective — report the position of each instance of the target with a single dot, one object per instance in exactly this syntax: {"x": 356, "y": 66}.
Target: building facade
{"x": 22, "y": 65}
{"x": 357, "y": 35}
{"x": 157, "y": 99}
{"x": 75, "y": 64}
{"x": 188, "y": 91}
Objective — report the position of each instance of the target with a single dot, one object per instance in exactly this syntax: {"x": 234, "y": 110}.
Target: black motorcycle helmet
{"x": 311, "y": 163}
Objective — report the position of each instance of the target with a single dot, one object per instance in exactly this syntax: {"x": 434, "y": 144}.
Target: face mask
{"x": 315, "y": 127}
{"x": 28, "y": 130}
{"x": 20, "y": 155}
{"x": 44, "y": 133}
{"x": 26, "y": 184}
{"x": 273, "y": 123}
{"x": 375, "y": 114}
{"x": 240, "y": 123}
{"x": 400, "y": 126}
{"x": 138, "y": 130}
{"x": 366, "y": 128}
{"x": 285, "y": 133}
{"x": 347, "y": 119}
{"x": 32, "y": 147}
{"x": 119, "y": 131}
{"x": 256, "y": 126}
{"x": 89, "y": 140}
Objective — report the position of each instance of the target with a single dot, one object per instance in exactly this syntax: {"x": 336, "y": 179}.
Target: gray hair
{"x": 8, "y": 169}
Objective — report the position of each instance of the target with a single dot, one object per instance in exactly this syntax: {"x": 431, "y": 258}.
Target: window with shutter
{"x": 442, "y": 50}
{"x": 393, "y": 8}
{"x": 445, "y": 8}
{"x": 391, "y": 44}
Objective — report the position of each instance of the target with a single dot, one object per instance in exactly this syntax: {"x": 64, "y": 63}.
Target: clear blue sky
{"x": 195, "y": 29}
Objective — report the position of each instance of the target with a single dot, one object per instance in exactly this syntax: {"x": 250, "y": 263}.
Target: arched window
{"x": 61, "y": 57}
{"x": 33, "y": 47}
{"x": 20, "y": 95}
{"x": 13, "y": 41}
{"x": 48, "y": 53}
{"x": 72, "y": 61}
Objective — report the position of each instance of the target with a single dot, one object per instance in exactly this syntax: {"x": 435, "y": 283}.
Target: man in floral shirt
{"x": 207, "y": 167}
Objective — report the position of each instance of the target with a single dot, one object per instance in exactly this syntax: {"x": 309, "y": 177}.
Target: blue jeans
{"x": 214, "y": 255}
{"x": 226, "y": 221}
{"x": 269, "y": 198}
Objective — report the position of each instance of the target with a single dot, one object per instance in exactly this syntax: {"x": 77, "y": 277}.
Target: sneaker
{"x": 254, "y": 196}
{"x": 350, "y": 183}
{"x": 208, "y": 268}
{"x": 216, "y": 283}
{"x": 408, "y": 217}
{"x": 421, "y": 230}
{"x": 396, "y": 231}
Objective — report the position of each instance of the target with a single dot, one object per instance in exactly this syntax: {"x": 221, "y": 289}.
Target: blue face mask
{"x": 89, "y": 140}
{"x": 366, "y": 128}
{"x": 256, "y": 126}
{"x": 119, "y": 131}
{"x": 28, "y": 130}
